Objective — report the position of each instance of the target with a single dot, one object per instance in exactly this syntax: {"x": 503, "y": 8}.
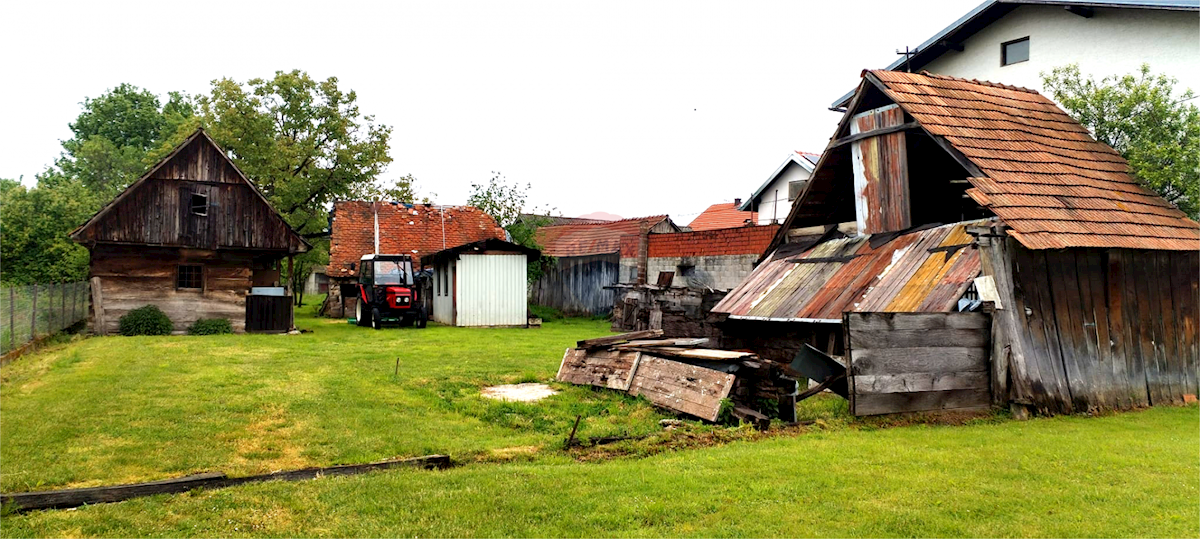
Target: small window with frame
{"x": 199, "y": 204}
{"x": 1014, "y": 52}
{"x": 189, "y": 277}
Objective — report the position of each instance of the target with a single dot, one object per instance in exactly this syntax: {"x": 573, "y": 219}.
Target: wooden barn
{"x": 938, "y": 195}
{"x": 481, "y": 284}
{"x": 193, "y": 236}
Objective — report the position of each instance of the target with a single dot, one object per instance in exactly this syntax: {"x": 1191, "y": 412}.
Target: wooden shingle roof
{"x": 1041, "y": 171}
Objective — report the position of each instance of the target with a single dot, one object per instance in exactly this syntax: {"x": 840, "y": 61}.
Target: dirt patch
{"x": 527, "y": 392}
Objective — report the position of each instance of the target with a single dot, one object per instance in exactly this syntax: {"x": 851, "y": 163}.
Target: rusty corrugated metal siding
{"x": 922, "y": 271}
{"x": 881, "y": 172}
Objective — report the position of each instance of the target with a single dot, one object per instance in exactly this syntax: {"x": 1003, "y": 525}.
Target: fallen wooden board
{"x": 616, "y": 339}
{"x": 686, "y": 388}
{"x": 52, "y": 499}
{"x": 692, "y": 353}
{"x": 686, "y": 343}
{"x": 602, "y": 368}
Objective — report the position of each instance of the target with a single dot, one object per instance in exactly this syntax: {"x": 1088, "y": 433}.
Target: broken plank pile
{"x": 679, "y": 374}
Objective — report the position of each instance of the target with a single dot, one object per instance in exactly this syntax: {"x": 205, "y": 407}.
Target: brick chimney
{"x": 737, "y": 202}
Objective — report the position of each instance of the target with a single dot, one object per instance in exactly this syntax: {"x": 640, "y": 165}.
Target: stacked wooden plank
{"x": 679, "y": 374}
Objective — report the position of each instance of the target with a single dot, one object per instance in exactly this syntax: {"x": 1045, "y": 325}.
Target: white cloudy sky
{"x": 633, "y": 108}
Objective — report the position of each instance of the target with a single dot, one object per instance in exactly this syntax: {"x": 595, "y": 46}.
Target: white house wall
{"x": 773, "y": 205}
{"x": 492, "y": 290}
{"x": 1111, "y": 42}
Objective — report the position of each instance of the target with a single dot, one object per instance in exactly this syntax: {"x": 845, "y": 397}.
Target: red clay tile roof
{"x": 746, "y": 240}
{"x": 723, "y": 216}
{"x": 415, "y": 230}
{"x": 1046, "y": 177}
{"x": 591, "y": 239}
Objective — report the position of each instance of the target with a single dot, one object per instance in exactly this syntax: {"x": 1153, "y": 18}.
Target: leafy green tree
{"x": 506, "y": 203}
{"x": 34, "y": 224}
{"x": 304, "y": 142}
{"x": 1141, "y": 116}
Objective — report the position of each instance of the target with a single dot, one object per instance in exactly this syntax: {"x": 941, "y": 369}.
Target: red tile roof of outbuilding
{"x": 591, "y": 239}
{"x": 723, "y": 216}
{"x": 1044, "y": 174}
{"x": 415, "y": 230}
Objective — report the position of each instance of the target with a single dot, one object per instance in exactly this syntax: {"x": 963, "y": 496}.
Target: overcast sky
{"x": 634, "y": 108}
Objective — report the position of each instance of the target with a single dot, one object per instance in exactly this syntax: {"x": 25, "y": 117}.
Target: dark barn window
{"x": 189, "y": 277}
{"x": 199, "y": 204}
{"x": 1015, "y": 51}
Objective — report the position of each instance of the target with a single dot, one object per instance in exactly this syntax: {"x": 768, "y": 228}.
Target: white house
{"x": 483, "y": 283}
{"x": 1014, "y": 41}
{"x": 773, "y": 199}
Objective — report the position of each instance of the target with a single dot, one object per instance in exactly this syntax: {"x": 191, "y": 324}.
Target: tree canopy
{"x": 1141, "y": 116}
{"x": 506, "y": 203}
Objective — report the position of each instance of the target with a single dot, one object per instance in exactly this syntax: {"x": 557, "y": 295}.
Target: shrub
{"x": 210, "y": 326}
{"x": 148, "y": 320}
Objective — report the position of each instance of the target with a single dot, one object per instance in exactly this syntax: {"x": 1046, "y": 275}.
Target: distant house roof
{"x": 922, "y": 271}
{"x": 992, "y": 10}
{"x": 490, "y": 244}
{"x": 410, "y": 229}
{"x": 725, "y": 215}
{"x": 596, "y": 238}
{"x": 553, "y": 220}
{"x": 1030, "y": 164}
{"x": 804, "y": 160}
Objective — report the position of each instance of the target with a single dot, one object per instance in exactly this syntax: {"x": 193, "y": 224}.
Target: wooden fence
{"x": 33, "y": 311}
{"x": 912, "y": 362}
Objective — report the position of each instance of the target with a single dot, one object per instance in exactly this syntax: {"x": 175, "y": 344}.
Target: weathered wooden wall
{"x": 1082, "y": 330}
{"x": 880, "y": 163}
{"x": 912, "y": 362}
{"x": 130, "y": 277}
{"x": 576, "y": 284}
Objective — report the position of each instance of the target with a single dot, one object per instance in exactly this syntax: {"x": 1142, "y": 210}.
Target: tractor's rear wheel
{"x": 422, "y": 318}
{"x": 376, "y": 318}
{"x": 359, "y": 314}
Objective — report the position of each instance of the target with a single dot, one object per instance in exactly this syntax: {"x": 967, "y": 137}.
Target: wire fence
{"x": 29, "y": 312}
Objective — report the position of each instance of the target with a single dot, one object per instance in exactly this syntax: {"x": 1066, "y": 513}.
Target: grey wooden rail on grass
{"x": 61, "y": 499}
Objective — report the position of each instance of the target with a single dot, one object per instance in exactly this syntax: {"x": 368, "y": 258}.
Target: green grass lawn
{"x": 120, "y": 409}
{"x": 1132, "y": 474}
{"x": 109, "y": 410}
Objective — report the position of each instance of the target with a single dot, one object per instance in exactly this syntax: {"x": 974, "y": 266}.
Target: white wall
{"x": 492, "y": 290}
{"x": 772, "y": 204}
{"x": 1111, "y": 42}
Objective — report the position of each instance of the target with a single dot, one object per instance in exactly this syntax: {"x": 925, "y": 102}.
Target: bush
{"x": 148, "y": 320}
{"x": 210, "y": 326}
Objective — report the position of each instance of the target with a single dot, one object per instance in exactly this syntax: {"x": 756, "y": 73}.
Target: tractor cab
{"x": 388, "y": 292}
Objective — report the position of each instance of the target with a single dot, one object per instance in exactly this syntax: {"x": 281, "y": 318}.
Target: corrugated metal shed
{"x": 922, "y": 271}
{"x": 491, "y": 290}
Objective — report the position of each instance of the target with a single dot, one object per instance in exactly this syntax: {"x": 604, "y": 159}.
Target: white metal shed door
{"x": 491, "y": 290}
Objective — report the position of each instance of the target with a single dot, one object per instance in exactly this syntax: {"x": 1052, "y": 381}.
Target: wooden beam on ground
{"x": 75, "y": 497}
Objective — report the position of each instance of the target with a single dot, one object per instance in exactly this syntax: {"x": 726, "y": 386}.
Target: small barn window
{"x": 1013, "y": 52}
{"x": 189, "y": 276}
{"x": 199, "y": 204}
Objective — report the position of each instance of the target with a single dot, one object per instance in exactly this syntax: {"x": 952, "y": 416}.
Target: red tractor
{"x": 388, "y": 292}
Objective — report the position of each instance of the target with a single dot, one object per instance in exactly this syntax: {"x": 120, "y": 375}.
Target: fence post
{"x": 12, "y": 318}
{"x": 33, "y": 315}
{"x": 62, "y": 305}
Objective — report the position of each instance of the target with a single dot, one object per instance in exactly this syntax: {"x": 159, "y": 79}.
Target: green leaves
{"x": 1140, "y": 116}
{"x": 506, "y": 204}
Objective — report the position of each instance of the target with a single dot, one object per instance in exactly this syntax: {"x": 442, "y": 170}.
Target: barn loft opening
{"x": 199, "y": 204}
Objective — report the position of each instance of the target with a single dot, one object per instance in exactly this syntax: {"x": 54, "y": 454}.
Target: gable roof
{"x": 596, "y": 238}
{"x": 725, "y": 215}
{"x": 805, "y": 160}
{"x": 224, "y": 170}
{"x": 1029, "y": 163}
{"x": 489, "y": 244}
{"x": 410, "y": 229}
{"x": 992, "y": 10}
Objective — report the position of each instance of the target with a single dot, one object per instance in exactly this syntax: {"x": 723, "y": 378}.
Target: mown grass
{"x": 120, "y": 409}
{"x": 1124, "y": 475}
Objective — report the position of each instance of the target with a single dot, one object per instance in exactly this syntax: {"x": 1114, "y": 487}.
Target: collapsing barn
{"x": 937, "y": 194}
{"x": 194, "y": 237}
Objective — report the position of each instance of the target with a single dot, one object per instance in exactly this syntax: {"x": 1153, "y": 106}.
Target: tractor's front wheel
{"x": 359, "y": 315}
{"x": 376, "y": 318}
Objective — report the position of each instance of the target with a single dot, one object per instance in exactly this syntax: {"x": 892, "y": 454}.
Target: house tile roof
{"x": 746, "y": 240}
{"x": 722, "y": 216}
{"x": 415, "y": 230}
{"x": 593, "y": 238}
{"x": 922, "y": 271}
{"x": 1042, "y": 172}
